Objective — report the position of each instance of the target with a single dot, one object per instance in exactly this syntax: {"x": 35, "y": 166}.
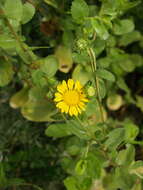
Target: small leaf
{"x": 102, "y": 73}
{"x": 13, "y": 9}
{"x": 6, "y": 73}
{"x": 28, "y": 12}
{"x": 71, "y": 183}
{"x": 123, "y": 26}
{"x": 79, "y": 10}
{"x": 49, "y": 66}
{"x": 127, "y": 156}
{"x": 58, "y": 130}
{"x": 81, "y": 167}
{"x": 131, "y": 131}
{"x": 100, "y": 28}
{"x": 115, "y": 137}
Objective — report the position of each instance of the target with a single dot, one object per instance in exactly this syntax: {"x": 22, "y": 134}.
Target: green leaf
{"x": 6, "y": 73}
{"x": 102, "y": 73}
{"x": 100, "y": 28}
{"x": 139, "y": 102}
{"x": 58, "y": 130}
{"x": 71, "y": 183}
{"x": 49, "y": 66}
{"x": 77, "y": 129}
{"x": 13, "y": 9}
{"x": 102, "y": 88}
{"x": 81, "y": 167}
{"x": 137, "y": 168}
{"x": 94, "y": 165}
{"x": 131, "y": 131}
{"x": 129, "y": 38}
{"x": 7, "y": 42}
{"x": 37, "y": 93}
{"x": 115, "y": 137}
{"x": 38, "y": 78}
{"x": 81, "y": 75}
{"x": 38, "y": 111}
{"x": 19, "y": 98}
{"x": 28, "y": 12}
{"x": 127, "y": 156}
{"x": 123, "y": 26}
{"x": 79, "y": 10}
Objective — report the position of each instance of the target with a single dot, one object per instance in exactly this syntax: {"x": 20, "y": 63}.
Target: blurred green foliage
{"x": 98, "y": 43}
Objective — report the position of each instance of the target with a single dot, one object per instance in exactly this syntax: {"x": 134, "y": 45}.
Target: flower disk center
{"x": 71, "y": 97}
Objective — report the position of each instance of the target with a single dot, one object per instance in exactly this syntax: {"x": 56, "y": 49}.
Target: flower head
{"x": 70, "y": 97}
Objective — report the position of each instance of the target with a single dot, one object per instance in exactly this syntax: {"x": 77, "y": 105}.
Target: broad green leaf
{"x": 102, "y": 73}
{"x": 38, "y": 111}
{"x": 139, "y": 102}
{"x": 79, "y": 10}
{"x": 123, "y": 26}
{"x": 123, "y": 179}
{"x": 131, "y": 131}
{"x": 81, "y": 167}
{"x": 58, "y": 130}
{"x": 115, "y": 138}
{"x": 126, "y": 157}
{"x": 129, "y": 38}
{"x": 49, "y": 66}
{"x": 77, "y": 129}
{"x": 28, "y": 12}
{"x": 104, "y": 62}
{"x": 37, "y": 93}
{"x": 13, "y": 9}
{"x": 6, "y": 72}
{"x": 94, "y": 165}
{"x": 137, "y": 168}
{"x": 38, "y": 78}
{"x": 71, "y": 183}
{"x": 7, "y": 42}
{"x": 100, "y": 28}
{"x": 99, "y": 46}
{"x": 19, "y": 98}
{"x": 81, "y": 75}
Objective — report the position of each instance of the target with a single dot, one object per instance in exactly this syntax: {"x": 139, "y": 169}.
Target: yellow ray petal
{"x": 84, "y": 100}
{"x": 60, "y": 88}
{"x": 78, "y": 109}
{"x": 73, "y": 111}
{"x": 70, "y": 84}
{"x": 65, "y": 85}
{"x": 78, "y": 86}
{"x": 81, "y": 105}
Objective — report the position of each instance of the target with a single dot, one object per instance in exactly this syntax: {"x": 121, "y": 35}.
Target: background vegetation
{"x": 99, "y": 43}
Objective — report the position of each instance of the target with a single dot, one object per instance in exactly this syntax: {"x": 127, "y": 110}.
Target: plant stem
{"x": 15, "y": 35}
{"x": 93, "y": 65}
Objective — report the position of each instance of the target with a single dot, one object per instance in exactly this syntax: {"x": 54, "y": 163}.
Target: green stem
{"x": 15, "y": 35}
{"x": 93, "y": 65}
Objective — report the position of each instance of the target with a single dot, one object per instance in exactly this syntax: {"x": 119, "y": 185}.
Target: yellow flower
{"x": 70, "y": 97}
